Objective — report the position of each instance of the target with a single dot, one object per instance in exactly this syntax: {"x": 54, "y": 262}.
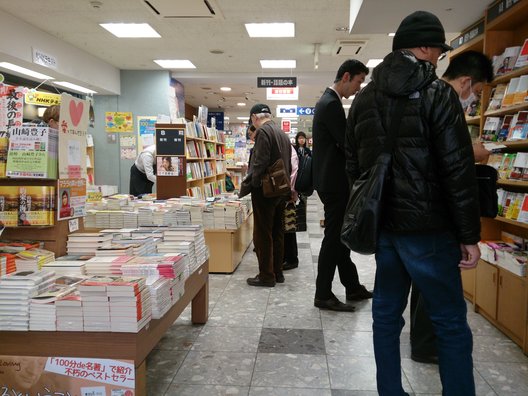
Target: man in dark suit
{"x": 331, "y": 184}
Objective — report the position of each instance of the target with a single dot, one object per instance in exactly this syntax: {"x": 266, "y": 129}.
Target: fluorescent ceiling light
{"x": 23, "y": 70}
{"x": 241, "y": 104}
{"x": 175, "y": 63}
{"x": 75, "y": 87}
{"x": 225, "y": 89}
{"x": 391, "y": 34}
{"x": 130, "y": 30}
{"x": 278, "y": 64}
{"x": 243, "y": 118}
{"x": 270, "y": 29}
{"x": 355, "y": 6}
{"x": 374, "y": 62}
{"x": 226, "y": 118}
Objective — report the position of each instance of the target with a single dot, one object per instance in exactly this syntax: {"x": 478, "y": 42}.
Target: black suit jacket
{"x": 329, "y": 125}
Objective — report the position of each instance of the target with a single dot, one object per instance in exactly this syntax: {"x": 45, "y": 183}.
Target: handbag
{"x": 304, "y": 182}
{"x": 276, "y": 180}
{"x": 487, "y": 187}
{"x": 361, "y": 224}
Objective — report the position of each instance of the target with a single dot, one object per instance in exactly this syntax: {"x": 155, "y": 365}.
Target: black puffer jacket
{"x": 433, "y": 185}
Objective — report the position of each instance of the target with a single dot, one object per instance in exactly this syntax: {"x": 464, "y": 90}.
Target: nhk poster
{"x": 66, "y": 376}
{"x": 73, "y": 124}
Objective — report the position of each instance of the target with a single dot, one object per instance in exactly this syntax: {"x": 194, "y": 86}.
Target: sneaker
{"x": 256, "y": 281}
{"x": 288, "y": 265}
{"x": 361, "y": 293}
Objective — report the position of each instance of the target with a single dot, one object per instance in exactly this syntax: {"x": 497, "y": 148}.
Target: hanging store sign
{"x": 276, "y": 82}
{"x": 286, "y": 126}
{"x": 305, "y": 111}
{"x": 282, "y": 93}
{"x": 42, "y": 98}
{"x": 43, "y": 59}
{"x": 286, "y": 111}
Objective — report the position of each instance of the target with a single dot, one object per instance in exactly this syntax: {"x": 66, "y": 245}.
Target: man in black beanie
{"x": 430, "y": 221}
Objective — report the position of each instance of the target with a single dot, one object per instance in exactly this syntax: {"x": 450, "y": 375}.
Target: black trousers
{"x": 139, "y": 184}
{"x": 290, "y": 248}
{"x": 423, "y": 339}
{"x": 333, "y": 253}
{"x": 268, "y": 233}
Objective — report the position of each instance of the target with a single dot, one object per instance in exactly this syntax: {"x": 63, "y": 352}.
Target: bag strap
{"x": 388, "y": 147}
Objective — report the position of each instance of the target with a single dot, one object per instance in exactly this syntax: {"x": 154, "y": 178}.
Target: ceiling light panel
{"x": 75, "y": 87}
{"x": 278, "y": 64}
{"x": 131, "y": 30}
{"x": 23, "y": 70}
{"x": 175, "y": 64}
{"x": 270, "y": 29}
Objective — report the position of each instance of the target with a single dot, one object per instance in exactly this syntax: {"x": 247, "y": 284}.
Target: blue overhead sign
{"x": 306, "y": 111}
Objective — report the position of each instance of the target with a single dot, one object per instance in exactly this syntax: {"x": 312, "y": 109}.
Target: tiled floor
{"x": 273, "y": 341}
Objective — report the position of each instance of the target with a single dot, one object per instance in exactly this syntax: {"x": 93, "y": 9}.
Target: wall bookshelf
{"x": 498, "y": 294}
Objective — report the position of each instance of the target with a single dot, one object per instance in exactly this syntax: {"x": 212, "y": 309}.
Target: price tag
{"x": 73, "y": 225}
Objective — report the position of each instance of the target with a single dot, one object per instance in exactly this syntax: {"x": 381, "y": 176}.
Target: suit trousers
{"x": 290, "y": 248}
{"x": 423, "y": 339}
{"x": 268, "y": 233}
{"x": 333, "y": 253}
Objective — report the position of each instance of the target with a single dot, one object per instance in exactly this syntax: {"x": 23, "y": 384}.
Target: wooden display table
{"x": 127, "y": 346}
{"x": 226, "y": 247}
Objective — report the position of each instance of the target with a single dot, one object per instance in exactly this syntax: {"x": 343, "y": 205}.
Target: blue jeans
{"x": 431, "y": 261}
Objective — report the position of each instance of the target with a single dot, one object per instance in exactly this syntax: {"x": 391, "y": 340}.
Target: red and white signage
{"x": 282, "y": 93}
{"x": 286, "y": 126}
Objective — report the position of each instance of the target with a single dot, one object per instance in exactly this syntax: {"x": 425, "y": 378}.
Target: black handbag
{"x": 304, "y": 181}
{"x": 487, "y": 187}
{"x": 361, "y": 224}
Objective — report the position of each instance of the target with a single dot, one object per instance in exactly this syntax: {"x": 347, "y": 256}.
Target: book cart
{"x": 498, "y": 294}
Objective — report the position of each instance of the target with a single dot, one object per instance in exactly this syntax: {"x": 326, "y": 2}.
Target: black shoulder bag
{"x": 361, "y": 224}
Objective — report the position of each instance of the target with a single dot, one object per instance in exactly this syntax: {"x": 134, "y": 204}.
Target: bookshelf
{"x": 498, "y": 294}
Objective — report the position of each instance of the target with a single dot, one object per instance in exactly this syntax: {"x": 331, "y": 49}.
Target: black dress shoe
{"x": 361, "y": 293}
{"x": 333, "y": 304}
{"x": 279, "y": 278}
{"x": 256, "y": 281}
{"x": 430, "y": 359}
{"x": 288, "y": 266}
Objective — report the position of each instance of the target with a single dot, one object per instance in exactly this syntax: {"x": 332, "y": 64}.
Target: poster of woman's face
{"x": 169, "y": 166}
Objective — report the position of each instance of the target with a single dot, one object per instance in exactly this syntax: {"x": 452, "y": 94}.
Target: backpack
{"x": 304, "y": 183}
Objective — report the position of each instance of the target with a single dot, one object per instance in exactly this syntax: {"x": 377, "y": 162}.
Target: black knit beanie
{"x": 420, "y": 29}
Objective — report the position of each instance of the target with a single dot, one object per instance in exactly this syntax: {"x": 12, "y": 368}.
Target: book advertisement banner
{"x": 71, "y": 199}
{"x": 146, "y": 132}
{"x": 119, "y": 122}
{"x": 169, "y": 166}
{"x": 36, "y": 375}
{"x": 11, "y": 106}
{"x": 73, "y": 126}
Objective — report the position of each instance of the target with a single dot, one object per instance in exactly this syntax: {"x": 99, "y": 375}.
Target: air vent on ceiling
{"x": 348, "y": 47}
{"x": 170, "y": 9}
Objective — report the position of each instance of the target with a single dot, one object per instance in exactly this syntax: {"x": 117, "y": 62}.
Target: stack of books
{"x": 114, "y": 249}
{"x": 16, "y": 290}
{"x": 102, "y": 219}
{"x": 219, "y": 215}
{"x": 160, "y": 295}
{"x": 86, "y": 243}
{"x": 95, "y": 304}
{"x": 33, "y": 259}
{"x": 130, "y": 304}
{"x": 67, "y": 267}
{"x": 107, "y": 265}
{"x": 69, "y": 312}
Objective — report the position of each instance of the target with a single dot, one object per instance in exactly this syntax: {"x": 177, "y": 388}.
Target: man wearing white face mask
{"x": 467, "y": 74}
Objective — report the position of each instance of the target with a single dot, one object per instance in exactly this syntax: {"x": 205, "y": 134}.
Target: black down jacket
{"x": 433, "y": 185}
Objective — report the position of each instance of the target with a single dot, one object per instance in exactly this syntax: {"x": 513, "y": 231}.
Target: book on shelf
{"x": 504, "y": 130}
{"x": 510, "y": 92}
{"x": 497, "y": 95}
{"x": 522, "y": 59}
{"x": 506, "y": 62}
{"x": 519, "y": 130}
{"x": 521, "y": 94}
{"x": 33, "y": 153}
{"x": 491, "y": 128}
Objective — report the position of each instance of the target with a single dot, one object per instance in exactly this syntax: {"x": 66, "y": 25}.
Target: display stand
{"x": 104, "y": 345}
{"x": 226, "y": 247}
